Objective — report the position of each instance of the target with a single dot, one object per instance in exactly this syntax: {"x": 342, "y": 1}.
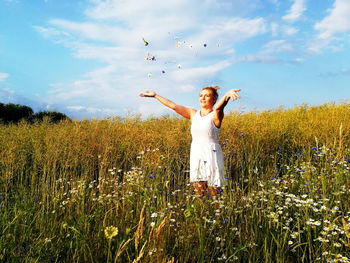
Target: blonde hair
{"x": 214, "y": 89}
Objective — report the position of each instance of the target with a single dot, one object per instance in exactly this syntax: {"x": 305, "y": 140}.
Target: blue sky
{"x": 87, "y": 58}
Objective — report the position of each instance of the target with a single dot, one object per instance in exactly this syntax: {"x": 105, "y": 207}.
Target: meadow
{"x": 118, "y": 190}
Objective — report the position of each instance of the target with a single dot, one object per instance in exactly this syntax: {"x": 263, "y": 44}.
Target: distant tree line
{"x": 14, "y": 113}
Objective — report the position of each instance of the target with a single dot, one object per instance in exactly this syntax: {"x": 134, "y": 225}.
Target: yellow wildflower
{"x": 111, "y": 231}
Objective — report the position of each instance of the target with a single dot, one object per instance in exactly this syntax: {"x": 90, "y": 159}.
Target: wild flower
{"x": 294, "y": 235}
{"x": 335, "y": 209}
{"x": 111, "y": 231}
{"x": 317, "y": 223}
{"x": 321, "y": 239}
{"x": 154, "y": 215}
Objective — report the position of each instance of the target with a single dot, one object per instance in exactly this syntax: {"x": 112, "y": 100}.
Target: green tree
{"x": 52, "y": 116}
{"x": 13, "y": 113}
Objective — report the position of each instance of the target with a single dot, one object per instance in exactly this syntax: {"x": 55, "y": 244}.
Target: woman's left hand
{"x": 232, "y": 94}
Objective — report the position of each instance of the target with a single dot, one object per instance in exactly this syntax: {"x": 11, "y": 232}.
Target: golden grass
{"x": 64, "y": 184}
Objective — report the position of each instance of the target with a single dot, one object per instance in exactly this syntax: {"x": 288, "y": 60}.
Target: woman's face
{"x": 206, "y": 98}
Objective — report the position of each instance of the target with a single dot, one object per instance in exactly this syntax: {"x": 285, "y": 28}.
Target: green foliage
{"x": 52, "y": 116}
{"x": 13, "y": 113}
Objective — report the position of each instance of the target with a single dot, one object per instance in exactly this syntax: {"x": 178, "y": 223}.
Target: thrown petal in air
{"x": 145, "y": 42}
{"x": 150, "y": 57}
{"x": 149, "y": 75}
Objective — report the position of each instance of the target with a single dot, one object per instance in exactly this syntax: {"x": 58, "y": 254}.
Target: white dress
{"x": 206, "y": 157}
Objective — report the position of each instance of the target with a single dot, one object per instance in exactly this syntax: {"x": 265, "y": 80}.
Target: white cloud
{"x": 94, "y": 31}
{"x": 11, "y": 1}
{"x": 113, "y": 33}
{"x": 153, "y": 17}
{"x": 229, "y": 30}
{"x": 338, "y": 20}
{"x": 49, "y": 32}
{"x": 285, "y": 30}
{"x": 280, "y": 45}
{"x": 275, "y": 2}
{"x": 8, "y": 95}
{"x": 288, "y": 30}
{"x": 4, "y": 76}
{"x": 342, "y": 72}
{"x": 332, "y": 28}
{"x": 266, "y": 58}
{"x": 92, "y": 110}
{"x": 191, "y": 74}
{"x": 296, "y": 11}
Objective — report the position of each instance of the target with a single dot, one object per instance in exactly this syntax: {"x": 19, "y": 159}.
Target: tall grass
{"x": 118, "y": 190}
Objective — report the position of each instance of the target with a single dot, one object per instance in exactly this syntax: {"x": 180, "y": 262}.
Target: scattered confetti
{"x": 179, "y": 44}
{"x": 150, "y": 57}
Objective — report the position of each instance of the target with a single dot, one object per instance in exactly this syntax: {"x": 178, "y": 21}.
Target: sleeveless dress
{"x": 206, "y": 157}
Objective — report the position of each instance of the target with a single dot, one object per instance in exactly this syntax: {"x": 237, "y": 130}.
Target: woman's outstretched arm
{"x": 182, "y": 110}
{"x": 219, "y": 109}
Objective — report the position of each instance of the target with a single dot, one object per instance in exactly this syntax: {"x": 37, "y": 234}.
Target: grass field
{"x": 118, "y": 190}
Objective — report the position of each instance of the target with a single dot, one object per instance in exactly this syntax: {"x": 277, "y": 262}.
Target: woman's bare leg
{"x": 200, "y": 188}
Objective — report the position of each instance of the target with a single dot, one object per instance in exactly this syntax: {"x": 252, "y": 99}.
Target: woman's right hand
{"x": 148, "y": 93}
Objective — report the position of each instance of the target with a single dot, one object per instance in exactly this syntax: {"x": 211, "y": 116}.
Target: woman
{"x": 206, "y": 158}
